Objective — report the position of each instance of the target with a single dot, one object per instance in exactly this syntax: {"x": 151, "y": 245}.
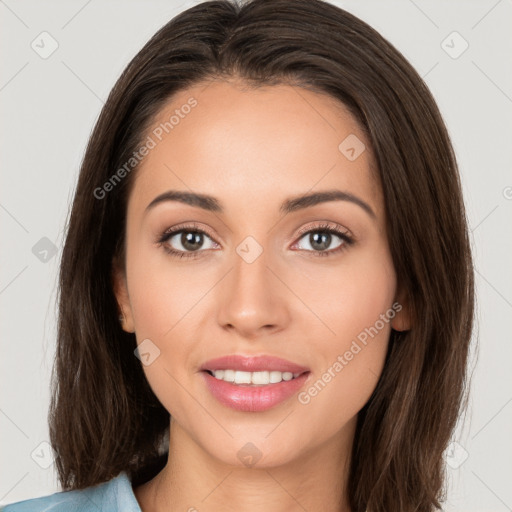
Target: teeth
{"x": 255, "y": 378}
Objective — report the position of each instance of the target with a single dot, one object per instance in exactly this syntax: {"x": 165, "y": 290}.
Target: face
{"x": 258, "y": 270}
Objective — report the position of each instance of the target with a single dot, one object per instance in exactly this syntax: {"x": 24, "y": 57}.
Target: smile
{"x": 254, "y": 378}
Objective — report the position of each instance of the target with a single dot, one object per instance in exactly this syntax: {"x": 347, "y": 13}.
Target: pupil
{"x": 321, "y": 241}
{"x": 191, "y": 240}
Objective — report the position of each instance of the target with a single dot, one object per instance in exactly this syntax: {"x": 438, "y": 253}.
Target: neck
{"x": 194, "y": 481}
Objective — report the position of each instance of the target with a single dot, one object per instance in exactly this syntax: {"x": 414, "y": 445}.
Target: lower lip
{"x": 253, "y": 398}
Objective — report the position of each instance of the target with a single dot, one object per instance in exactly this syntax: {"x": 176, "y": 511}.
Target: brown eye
{"x": 325, "y": 240}
{"x": 191, "y": 240}
{"x": 186, "y": 241}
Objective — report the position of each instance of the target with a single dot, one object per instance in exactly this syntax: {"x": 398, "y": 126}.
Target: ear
{"x": 402, "y": 319}
{"x": 121, "y": 293}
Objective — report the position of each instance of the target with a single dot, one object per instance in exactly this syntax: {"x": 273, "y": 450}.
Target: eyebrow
{"x": 290, "y": 205}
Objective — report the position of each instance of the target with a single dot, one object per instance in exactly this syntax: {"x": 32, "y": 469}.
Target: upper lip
{"x": 253, "y": 364}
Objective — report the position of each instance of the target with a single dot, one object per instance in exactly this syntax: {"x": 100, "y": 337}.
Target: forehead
{"x": 260, "y": 144}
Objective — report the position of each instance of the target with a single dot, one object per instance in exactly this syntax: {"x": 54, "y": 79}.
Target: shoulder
{"x": 112, "y": 496}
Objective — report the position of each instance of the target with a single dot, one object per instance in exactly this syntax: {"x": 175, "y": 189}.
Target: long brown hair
{"x": 104, "y": 417}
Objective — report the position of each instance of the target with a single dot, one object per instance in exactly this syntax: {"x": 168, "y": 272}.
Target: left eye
{"x": 320, "y": 240}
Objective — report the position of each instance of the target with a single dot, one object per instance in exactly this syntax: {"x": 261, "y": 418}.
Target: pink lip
{"x": 253, "y": 364}
{"x": 249, "y": 398}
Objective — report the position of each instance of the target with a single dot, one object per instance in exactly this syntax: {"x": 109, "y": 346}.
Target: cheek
{"x": 356, "y": 305}
{"x": 167, "y": 298}
{"x": 344, "y": 383}
{"x": 348, "y": 297}
{"x": 162, "y": 293}
{"x": 163, "y": 290}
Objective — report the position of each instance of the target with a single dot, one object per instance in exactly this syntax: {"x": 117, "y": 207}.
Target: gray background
{"x": 49, "y": 106}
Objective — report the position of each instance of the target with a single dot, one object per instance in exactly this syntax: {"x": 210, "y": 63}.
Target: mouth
{"x": 253, "y": 384}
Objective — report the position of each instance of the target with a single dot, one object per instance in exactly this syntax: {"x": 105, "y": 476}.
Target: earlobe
{"x": 126, "y": 322}
{"x": 399, "y": 323}
{"x": 402, "y": 319}
{"x": 123, "y": 300}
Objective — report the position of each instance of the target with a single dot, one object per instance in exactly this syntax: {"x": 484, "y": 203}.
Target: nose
{"x": 252, "y": 299}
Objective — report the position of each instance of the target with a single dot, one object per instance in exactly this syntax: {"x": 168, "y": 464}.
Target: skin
{"x": 252, "y": 149}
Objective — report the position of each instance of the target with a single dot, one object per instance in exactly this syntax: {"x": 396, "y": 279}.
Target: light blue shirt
{"x": 116, "y": 495}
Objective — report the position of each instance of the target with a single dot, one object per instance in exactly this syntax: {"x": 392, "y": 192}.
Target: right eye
{"x": 184, "y": 241}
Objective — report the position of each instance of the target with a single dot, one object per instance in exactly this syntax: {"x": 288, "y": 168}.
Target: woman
{"x": 266, "y": 290}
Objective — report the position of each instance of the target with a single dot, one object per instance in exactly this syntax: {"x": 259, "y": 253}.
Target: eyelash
{"x": 193, "y": 228}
